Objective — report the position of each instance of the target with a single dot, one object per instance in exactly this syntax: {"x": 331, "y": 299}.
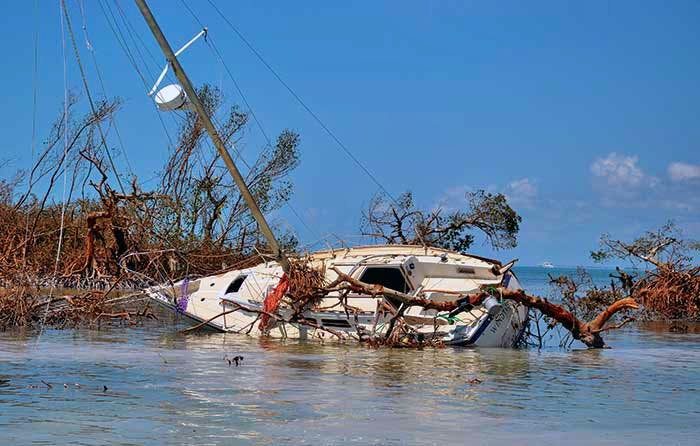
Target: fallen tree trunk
{"x": 587, "y": 332}
{"x": 406, "y": 299}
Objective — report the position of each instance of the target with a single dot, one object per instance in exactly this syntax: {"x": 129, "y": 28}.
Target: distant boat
{"x": 547, "y": 265}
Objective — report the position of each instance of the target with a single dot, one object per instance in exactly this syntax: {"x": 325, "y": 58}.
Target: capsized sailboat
{"x": 254, "y": 300}
{"x": 235, "y": 301}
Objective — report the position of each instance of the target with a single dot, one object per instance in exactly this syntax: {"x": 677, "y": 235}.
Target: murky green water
{"x": 166, "y": 388}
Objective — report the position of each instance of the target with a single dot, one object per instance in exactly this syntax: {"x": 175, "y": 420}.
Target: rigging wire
{"x": 220, "y": 58}
{"x": 89, "y": 96}
{"x": 138, "y": 41}
{"x": 81, "y": 5}
{"x": 116, "y": 31}
{"x": 35, "y": 89}
{"x": 131, "y": 32}
{"x": 119, "y": 36}
{"x": 112, "y": 118}
{"x": 303, "y": 103}
{"x": 65, "y": 172}
{"x": 35, "y": 76}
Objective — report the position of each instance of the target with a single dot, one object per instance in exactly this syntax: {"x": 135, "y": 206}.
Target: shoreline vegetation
{"x": 76, "y": 262}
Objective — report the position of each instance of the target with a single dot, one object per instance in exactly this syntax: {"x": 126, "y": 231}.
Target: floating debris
{"x": 235, "y": 360}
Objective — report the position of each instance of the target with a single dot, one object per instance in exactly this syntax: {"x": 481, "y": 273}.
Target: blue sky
{"x": 584, "y": 113}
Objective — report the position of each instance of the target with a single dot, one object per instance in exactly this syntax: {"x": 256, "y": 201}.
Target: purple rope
{"x": 182, "y": 303}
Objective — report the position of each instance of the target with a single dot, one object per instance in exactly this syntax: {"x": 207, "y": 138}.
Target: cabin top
{"x": 401, "y": 250}
{"x": 379, "y": 254}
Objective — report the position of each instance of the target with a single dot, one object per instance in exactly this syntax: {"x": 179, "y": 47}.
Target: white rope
{"x": 88, "y": 45}
{"x": 65, "y": 171}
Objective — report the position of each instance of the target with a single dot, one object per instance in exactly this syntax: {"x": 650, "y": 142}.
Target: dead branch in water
{"x": 194, "y": 223}
{"x": 674, "y": 295}
{"x": 587, "y": 332}
{"x": 22, "y": 308}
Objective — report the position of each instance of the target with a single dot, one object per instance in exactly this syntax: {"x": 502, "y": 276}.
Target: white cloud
{"x": 452, "y": 199}
{"x": 621, "y": 182}
{"x": 683, "y": 171}
{"x": 618, "y": 170}
{"x": 522, "y": 192}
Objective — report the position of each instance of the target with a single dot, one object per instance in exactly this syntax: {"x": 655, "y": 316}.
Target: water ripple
{"x": 173, "y": 389}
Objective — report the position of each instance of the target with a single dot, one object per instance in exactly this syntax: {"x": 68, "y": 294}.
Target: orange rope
{"x": 272, "y": 302}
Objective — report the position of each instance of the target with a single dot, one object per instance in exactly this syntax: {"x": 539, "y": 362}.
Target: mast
{"x": 280, "y": 257}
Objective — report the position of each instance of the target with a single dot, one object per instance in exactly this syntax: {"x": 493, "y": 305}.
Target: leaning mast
{"x": 280, "y": 257}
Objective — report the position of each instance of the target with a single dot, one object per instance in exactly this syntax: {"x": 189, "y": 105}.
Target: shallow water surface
{"x": 167, "y": 388}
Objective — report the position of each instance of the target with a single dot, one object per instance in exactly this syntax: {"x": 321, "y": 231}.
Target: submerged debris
{"x": 235, "y": 360}
{"x": 305, "y": 292}
{"x": 109, "y": 232}
{"x": 22, "y": 308}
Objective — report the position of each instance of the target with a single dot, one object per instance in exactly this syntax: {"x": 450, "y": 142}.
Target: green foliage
{"x": 401, "y": 222}
{"x": 201, "y": 202}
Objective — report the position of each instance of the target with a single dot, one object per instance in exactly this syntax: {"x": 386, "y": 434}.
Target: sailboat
{"x": 253, "y": 301}
{"x": 433, "y": 274}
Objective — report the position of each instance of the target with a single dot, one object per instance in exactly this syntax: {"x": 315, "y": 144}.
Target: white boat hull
{"x": 210, "y": 302}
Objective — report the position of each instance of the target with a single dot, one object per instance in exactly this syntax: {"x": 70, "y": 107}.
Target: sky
{"x": 585, "y": 114}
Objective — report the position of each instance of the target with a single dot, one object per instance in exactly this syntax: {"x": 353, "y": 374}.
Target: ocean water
{"x": 151, "y": 385}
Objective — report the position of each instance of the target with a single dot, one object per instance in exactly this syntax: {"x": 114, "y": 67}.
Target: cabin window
{"x": 336, "y": 323}
{"x": 389, "y": 277}
{"x": 236, "y": 284}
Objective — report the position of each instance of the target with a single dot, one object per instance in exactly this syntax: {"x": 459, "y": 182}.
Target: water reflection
{"x": 167, "y": 388}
